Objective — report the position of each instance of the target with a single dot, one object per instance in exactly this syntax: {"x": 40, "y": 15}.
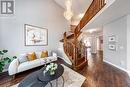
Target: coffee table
{"x": 39, "y": 79}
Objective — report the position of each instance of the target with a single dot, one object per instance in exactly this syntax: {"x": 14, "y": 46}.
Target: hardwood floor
{"x": 98, "y": 74}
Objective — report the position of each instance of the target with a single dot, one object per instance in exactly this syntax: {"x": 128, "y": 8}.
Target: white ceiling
{"x": 118, "y": 9}
{"x": 78, "y": 6}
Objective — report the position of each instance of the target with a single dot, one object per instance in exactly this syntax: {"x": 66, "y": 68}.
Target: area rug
{"x": 71, "y": 79}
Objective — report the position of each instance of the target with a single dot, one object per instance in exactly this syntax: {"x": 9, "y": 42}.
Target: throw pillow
{"x": 44, "y": 54}
{"x": 31, "y": 56}
{"x": 22, "y": 58}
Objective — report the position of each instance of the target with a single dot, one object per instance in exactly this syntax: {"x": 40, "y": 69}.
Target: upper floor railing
{"x": 93, "y": 9}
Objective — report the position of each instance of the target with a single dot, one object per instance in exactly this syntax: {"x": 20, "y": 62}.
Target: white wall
{"x": 0, "y": 35}
{"x": 42, "y": 13}
{"x": 119, "y": 29}
{"x": 128, "y": 42}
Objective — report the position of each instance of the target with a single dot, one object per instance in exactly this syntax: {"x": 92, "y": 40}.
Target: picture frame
{"x": 112, "y": 47}
{"x": 35, "y": 36}
{"x": 112, "y": 38}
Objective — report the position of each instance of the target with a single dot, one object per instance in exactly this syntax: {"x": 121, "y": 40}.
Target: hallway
{"x": 100, "y": 74}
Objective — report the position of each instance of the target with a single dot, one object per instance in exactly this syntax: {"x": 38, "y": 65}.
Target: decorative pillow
{"x": 22, "y": 58}
{"x": 31, "y": 56}
{"x": 44, "y": 54}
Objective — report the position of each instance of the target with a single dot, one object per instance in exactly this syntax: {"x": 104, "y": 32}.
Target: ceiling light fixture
{"x": 68, "y": 13}
{"x": 81, "y": 15}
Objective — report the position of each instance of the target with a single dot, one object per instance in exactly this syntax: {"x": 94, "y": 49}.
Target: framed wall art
{"x": 35, "y": 36}
{"x": 112, "y": 47}
{"x": 112, "y": 38}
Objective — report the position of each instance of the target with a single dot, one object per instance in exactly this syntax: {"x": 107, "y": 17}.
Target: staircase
{"x": 76, "y": 51}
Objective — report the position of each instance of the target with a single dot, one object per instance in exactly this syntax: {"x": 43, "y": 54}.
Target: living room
{"x": 43, "y": 15}
{"x": 36, "y": 51}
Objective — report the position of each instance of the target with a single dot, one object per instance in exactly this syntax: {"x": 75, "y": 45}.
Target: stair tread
{"x": 81, "y": 60}
{"x": 81, "y": 66}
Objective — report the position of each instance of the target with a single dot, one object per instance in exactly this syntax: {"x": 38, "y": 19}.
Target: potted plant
{"x": 51, "y": 68}
{"x": 4, "y": 59}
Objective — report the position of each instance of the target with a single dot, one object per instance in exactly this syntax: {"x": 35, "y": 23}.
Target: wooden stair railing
{"x": 70, "y": 46}
{"x": 69, "y": 52}
{"x": 93, "y": 9}
{"x": 81, "y": 60}
{"x": 74, "y": 53}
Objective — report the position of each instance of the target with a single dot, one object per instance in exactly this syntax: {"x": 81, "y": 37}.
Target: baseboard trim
{"x": 118, "y": 67}
{"x": 65, "y": 60}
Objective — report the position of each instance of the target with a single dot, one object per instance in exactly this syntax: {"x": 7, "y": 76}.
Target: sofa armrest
{"x": 13, "y": 67}
{"x": 54, "y": 55}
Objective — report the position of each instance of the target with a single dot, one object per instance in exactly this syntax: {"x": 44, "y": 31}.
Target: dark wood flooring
{"x": 98, "y": 74}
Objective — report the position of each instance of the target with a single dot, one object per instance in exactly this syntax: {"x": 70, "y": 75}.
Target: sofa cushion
{"x": 44, "y": 54}
{"x": 30, "y": 64}
{"x": 22, "y": 58}
{"x": 31, "y": 56}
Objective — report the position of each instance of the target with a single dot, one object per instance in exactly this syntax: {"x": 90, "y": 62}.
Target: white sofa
{"x": 16, "y": 67}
